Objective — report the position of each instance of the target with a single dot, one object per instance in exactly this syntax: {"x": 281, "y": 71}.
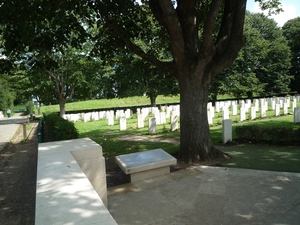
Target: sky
{"x": 291, "y": 10}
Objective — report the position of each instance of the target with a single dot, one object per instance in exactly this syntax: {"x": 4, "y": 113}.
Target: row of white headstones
{"x": 285, "y": 105}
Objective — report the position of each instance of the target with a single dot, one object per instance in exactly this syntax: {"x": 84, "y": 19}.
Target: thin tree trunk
{"x": 152, "y": 99}
{"x": 62, "y": 108}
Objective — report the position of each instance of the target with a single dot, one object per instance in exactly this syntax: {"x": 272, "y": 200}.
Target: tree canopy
{"x": 202, "y": 38}
{"x": 262, "y": 65}
{"x": 291, "y": 31}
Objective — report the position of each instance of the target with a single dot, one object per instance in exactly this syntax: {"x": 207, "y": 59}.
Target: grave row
{"x": 160, "y": 116}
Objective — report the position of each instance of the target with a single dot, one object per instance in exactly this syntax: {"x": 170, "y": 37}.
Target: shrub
{"x": 275, "y": 135}
{"x": 59, "y": 128}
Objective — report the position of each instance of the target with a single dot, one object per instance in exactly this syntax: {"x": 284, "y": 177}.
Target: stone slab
{"x": 64, "y": 194}
{"x": 149, "y": 161}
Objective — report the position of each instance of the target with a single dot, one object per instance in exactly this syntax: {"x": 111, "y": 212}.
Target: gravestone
{"x": 226, "y": 131}
{"x": 242, "y": 114}
{"x": 95, "y": 116}
{"x": 273, "y": 104}
{"x": 212, "y": 111}
{"x": 253, "y": 113}
{"x": 87, "y": 117}
{"x": 277, "y": 109}
{"x": 122, "y": 120}
{"x": 234, "y": 109}
{"x": 110, "y": 120}
{"x": 217, "y": 107}
{"x": 225, "y": 113}
{"x": 174, "y": 122}
{"x": 256, "y": 104}
{"x": 152, "y": 125}
{"x": 157, "y": 117}
{"x": 127, "y": 113}
{"x": 285, "y": 108}
{"x": 262, "y": 111}
{"x": 294, "y": 105}
{"x": 209, "y": 118}
{"x": 297, "y": 115}
{"x": 163, "y": 119}
{"x": 140, "y": 119}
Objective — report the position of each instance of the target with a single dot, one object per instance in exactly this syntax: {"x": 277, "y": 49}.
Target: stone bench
{"x": 71, "y": 184}
{"x": 147, "y": 164}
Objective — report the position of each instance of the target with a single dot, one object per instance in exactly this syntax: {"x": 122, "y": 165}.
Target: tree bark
{"x": 152, "y": 99}
{"x": 195, "y": 142}
{"x": 62, "y": 107}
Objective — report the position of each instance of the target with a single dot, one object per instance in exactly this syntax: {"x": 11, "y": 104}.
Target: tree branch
{"x": 228, "y": 50}
{"x": 208, "y": 47}
{"x": 167, "y": 66}
{"x": 166, "y": 15}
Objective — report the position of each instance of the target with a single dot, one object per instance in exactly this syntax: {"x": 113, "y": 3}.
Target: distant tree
{"x": 58, "y": 76}
{"x": 135, "y": 77}
{"x": 291, "y": 31}
{"x": 273, "y": 69}
{"x": 7, "y": 94}
{"x": 261, "y": 67}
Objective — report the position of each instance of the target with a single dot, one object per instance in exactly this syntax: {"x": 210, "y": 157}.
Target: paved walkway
{"x": 8, "y": 128}
{"x": 209, "y": 196}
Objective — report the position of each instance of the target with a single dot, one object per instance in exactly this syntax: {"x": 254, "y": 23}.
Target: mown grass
{"x": 250, "y": 156}
{"x": 111, "y": 103}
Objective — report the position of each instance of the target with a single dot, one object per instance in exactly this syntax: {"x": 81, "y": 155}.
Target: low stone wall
{"x": 71, "y": 184}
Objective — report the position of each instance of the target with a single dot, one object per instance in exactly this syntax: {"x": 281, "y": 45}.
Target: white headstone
{"x": 242, "y": 114}
{"x": 127, "y": 113}
{"x": 163, "y": 119}
{"x": 152, "y": 125}
{"x": 110, "y": 120}
{"x": 234, "y": 109}
{"x": 174, "y": 122}
{"x": 209, "y": 118}
{"x": 157, "y": 117}
{"x": 277, "y": 109}
{"x": 285, "y": 108}
{"x": 253, "y": 113}
{"x": 225, "y": 113}
{"x": 226, "y": 131}
{"x": 87, "y": 117}
{"x": 293, "y": 106}
{"x": 140, "y": 119}
{"x": 297, "y": 115}
{"x": 122, "y": 120}
{"x": 217, "y": 107}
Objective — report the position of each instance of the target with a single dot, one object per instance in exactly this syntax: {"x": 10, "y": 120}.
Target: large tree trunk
{"x": 195, "y": 142}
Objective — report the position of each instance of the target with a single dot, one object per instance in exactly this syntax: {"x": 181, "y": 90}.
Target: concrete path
{"x": 8, "y": 128}
{"x": 209, "y": 196}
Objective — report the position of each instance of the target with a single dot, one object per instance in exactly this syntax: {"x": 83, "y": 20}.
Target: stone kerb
{"x": 71, "y": 184}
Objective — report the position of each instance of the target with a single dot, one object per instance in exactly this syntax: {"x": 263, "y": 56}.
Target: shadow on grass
{"x": 264, "y": 157}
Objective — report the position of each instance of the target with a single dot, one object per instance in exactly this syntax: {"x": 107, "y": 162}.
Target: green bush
{"x": 29, "y": 107}
{"x": 59, "y": 128}
{"x": 275, "y": 135}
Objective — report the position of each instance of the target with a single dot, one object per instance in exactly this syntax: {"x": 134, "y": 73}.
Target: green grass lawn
{"x": 250, "y": 156}
{"x": 263, "y": 157}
